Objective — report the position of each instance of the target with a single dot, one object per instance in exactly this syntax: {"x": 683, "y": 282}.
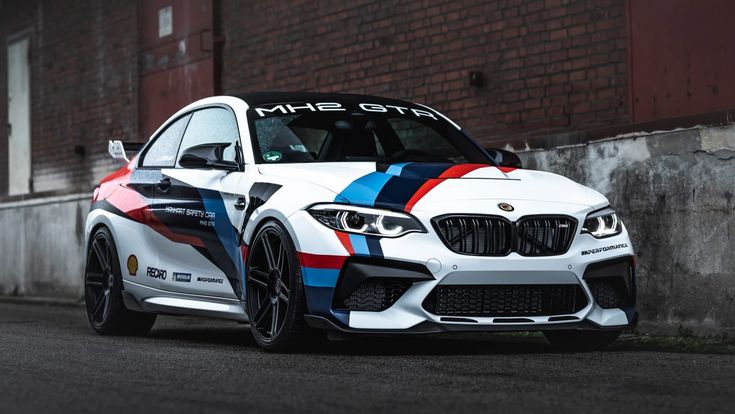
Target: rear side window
{"x": 162, "y": 152}
{"x": 212, "y": 126}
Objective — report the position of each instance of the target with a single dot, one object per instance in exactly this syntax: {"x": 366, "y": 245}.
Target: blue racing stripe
{"x": 316, "y": 277}
{"x": 395, "y": 169}
{"x": 365, "y": 189}
{"x": 359, "y": 245}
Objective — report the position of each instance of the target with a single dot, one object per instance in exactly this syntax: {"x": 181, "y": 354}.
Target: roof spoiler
{"x": 118, "y": 149}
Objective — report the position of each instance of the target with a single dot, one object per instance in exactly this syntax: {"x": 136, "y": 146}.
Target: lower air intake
{"x": 375, "y": 295}
{"x": 505, "y": 300}
{"x": 608, "y": 292}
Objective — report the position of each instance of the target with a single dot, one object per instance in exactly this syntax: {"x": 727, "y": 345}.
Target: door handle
{"x": 164, "y": 184}
{"x": 240, "y": 204}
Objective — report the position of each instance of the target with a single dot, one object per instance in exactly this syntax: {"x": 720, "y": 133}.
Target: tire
{"x": 275, "y": 299}
{"x": 106, "y": 312}
{"x": 581, "y": 340}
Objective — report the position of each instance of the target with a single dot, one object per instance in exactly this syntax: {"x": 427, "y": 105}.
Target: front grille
{"x": 480, "y": 235}
{"x": 608, "y": 292}
{"x": 505, "y": 300}
{"x": 496, "y": 236}
{"x": 545, "y": 235}
{"x": 375, "y": 295}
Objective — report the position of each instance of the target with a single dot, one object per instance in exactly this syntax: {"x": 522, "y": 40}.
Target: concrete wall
{"x": 674, "y": 191}
{"x": 42, "y": 247}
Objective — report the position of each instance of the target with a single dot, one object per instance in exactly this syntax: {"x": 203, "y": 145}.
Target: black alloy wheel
{"x": 103, "y": 291}
{"x": 275, "y": 292}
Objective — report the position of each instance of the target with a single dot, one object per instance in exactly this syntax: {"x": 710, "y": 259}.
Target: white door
{"x": 19, "y": 118}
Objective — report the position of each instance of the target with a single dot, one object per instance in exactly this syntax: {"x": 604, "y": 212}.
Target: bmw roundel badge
{"x": 505, "y": 207}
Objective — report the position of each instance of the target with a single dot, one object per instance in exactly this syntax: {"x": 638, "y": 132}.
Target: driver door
{"x": 203, "y": 211}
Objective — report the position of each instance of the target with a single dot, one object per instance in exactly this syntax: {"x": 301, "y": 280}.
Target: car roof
{"x": 261, "y": 98}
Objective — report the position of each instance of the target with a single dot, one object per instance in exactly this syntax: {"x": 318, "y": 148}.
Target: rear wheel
{"x": 275, "y": 292}
{"x": 103, "y": 291}
{"x": 581, "y": 340}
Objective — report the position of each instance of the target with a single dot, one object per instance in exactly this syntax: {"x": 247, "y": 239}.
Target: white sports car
{"x": 349, "y": 213}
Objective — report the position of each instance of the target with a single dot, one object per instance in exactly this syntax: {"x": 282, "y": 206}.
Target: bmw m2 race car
{"x": 297, "y": 212}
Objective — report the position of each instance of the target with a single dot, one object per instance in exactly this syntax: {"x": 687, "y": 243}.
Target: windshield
{"x": 334, "y": 132}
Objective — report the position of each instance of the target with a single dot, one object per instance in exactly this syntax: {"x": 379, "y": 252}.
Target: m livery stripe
{"x": 359, "y": 244}
{"x": 321, "y": 261}
{"x": 455, "y": 171}
{"x": 316, "y": 277}
{"x": 364, "y": 190}
{"x": 344, "y": 238}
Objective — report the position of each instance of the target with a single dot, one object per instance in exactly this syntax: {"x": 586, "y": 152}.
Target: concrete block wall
{"x": 674, "y": 191}
{"x": 42, "y": 244}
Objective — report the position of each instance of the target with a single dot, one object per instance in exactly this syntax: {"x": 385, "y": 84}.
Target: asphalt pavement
{"x": 51, "y": 361}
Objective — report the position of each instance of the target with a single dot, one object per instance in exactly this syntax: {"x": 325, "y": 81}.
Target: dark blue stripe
{"x": 373, "y": 244}
{"x": 424, "y": 170}
{"x": 397, "y": 191}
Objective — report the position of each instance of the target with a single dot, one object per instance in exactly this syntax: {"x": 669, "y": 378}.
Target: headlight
{"x": 603, "y": 223}
{"x": 363, "y": 220}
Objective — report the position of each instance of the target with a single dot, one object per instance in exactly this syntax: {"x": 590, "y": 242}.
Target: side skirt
{"x": 145, "y": 298}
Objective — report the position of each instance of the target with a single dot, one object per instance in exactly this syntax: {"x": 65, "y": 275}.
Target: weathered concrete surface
{"x": 42, "y": 247}
{"x": 674, "y": 191}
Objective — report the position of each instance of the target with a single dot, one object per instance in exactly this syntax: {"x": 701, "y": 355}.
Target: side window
{"x": 209, "y": 126}
{"x": 162, "y": 152}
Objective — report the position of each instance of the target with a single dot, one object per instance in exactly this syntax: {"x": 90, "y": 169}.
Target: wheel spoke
{"x": 99, "y": 303}
{"x": 268, "y": 253}
{"x": 258, "y": 277}
{"x": 262, "y": 310}
{"x": 107, "y": 308}
{"x": 100, "y": 253}
{"x": 274, "y": 319}
{"x": 283, "y": 297}
{"x": 281, "y": 257}
{"x": 95, "y": 279}
{"x": 284, "y": 288}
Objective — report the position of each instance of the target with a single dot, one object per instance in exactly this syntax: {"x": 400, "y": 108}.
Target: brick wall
{"x": 83, "y": 86}
{"x": 549, "y": 65}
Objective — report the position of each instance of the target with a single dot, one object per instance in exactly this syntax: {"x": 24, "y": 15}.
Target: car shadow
{"x": 228, "y": 334}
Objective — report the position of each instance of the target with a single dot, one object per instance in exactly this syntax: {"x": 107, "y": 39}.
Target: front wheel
{"x": 275, "y": 292}
{"x": 103, "y": 291}
{"x": 581, "y": 340}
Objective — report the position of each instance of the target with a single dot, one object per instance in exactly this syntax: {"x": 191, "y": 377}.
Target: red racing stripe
{"x": 344, "y": 238}
{"x": 455, "y": 171}
{"x": 321, "y": 261}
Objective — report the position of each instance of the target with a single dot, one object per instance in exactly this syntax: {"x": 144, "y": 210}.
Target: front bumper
{"x": 428, "y": 265}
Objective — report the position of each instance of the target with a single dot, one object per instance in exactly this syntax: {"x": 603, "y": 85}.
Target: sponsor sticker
{"x": 272, "y": 156}
{"x": 210, "y": 279}
{"x": 182, "y": 277}
{"x": 156, "y": 273}
{"x": 132, "y": 265}
{"x": 604, "y": 249}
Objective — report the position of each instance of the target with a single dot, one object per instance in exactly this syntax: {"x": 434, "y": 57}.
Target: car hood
{"x": 409, "y": 186}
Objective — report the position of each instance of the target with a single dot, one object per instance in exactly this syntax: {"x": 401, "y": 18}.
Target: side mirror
{"x": 504, "y": 158}
{"x": 208, "y": 156}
